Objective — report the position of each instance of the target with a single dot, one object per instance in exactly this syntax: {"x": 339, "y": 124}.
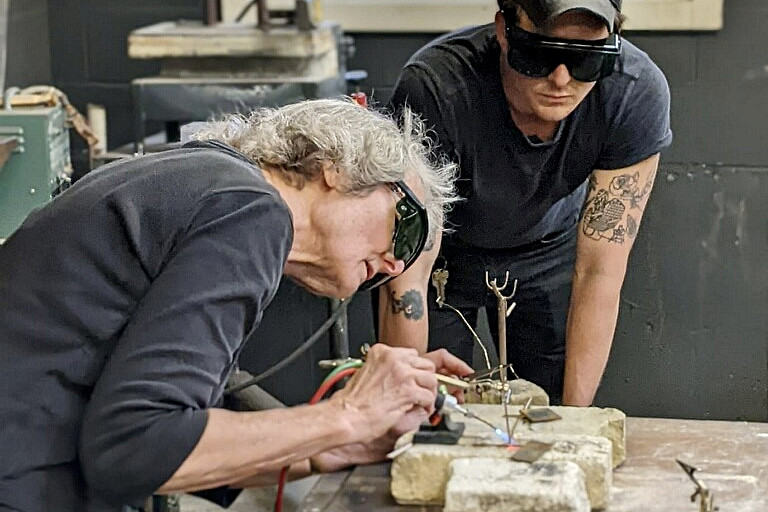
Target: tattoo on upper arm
{"x": 603, "y": 215}
{"x": 410, "y": 304}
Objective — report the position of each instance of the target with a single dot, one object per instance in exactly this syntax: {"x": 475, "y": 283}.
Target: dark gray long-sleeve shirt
{"x": 123, "y": 306}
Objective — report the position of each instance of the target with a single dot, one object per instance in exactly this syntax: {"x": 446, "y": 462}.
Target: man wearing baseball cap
{"x": 556, "y": 123}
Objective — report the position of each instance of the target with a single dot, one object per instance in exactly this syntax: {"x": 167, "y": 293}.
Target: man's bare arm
{"x": 608, "y": 226}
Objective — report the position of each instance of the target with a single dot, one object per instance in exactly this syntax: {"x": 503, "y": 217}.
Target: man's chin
{"x": 554, "y": 114}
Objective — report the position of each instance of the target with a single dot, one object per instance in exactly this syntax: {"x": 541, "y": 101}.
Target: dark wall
{"x": 692, "y": 339}
{"x": 28, "y": 44}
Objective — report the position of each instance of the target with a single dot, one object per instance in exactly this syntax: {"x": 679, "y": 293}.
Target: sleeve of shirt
{"x": 416, "y": 89}
{"x": 642, "y": 127}
{"x": 148, "y": 408}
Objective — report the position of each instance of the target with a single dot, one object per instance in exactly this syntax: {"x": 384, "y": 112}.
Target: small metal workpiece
{"x": 706, "y": 498}
{"x": 539, "y": 415}
{"x": 503, "y": 312}
{"x": 531, "y": 451}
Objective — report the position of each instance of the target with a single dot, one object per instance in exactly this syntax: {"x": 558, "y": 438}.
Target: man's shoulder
{"x": 466, "y": 48}
{"x": 632, "y": 105}
{"x": 638, "y": 79}
{"x": 638, "y": 67}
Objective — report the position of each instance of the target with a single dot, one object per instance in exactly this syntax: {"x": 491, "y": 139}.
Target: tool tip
{"x": 505, "y": 437}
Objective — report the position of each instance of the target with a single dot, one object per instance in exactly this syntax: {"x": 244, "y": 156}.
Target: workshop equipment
{"x": 34, "y": 155}
{"x": 219, "y": 68}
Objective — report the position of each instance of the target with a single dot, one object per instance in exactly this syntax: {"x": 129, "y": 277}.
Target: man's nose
{"x": 560, "y": 76}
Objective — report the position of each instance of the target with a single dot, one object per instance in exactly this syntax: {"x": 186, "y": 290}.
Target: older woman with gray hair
{"x": 125, "y": 302}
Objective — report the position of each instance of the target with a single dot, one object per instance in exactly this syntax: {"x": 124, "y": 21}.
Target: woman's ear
{"x": 331, "y": 175}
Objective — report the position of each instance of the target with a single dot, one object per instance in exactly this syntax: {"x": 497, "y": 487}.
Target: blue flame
{"x": 503, "y": 435}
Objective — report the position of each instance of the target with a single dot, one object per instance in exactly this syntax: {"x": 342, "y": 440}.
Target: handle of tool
{"x": 452, "y": 381}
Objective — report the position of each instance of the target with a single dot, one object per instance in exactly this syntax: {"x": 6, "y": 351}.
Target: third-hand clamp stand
{"x": 503, "y": 312}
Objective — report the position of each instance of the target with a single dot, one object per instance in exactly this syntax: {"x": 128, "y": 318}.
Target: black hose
{"x": 296, "y": 353}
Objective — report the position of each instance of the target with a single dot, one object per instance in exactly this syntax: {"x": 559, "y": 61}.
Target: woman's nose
{"x": 392, "y": 265}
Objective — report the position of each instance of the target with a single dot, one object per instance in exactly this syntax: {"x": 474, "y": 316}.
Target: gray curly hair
{"x": 367, "y": 147}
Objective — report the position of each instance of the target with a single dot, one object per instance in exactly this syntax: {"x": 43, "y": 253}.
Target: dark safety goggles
{"x": 410, "y": 233}
{"x": 536, "y": 56}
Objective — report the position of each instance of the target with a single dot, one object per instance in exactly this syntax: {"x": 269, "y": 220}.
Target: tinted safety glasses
{"x": 536, "y": 56}
{"x": 410, "y": 233}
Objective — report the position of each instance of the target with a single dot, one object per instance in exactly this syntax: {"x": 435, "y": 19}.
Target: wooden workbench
{"x": 732, "y": 456}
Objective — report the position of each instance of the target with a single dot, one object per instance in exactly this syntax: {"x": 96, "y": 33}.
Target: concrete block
{"x": 494, "y": 485}
{"x": 420, "y": 475}
{"x": 592, "y": 454}
{"x": 593, "y": 421}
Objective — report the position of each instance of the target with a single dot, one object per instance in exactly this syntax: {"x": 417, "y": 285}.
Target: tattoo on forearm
{"x": 409, "y": 304}
{"x": 603, "y": 215}
{"x": 627, "y": 188}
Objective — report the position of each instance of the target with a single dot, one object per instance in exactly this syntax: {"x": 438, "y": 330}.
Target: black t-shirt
{"x": 123, "y": 306}
{"x": 518, "y": 191}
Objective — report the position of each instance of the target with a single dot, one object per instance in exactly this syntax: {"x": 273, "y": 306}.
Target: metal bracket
{"x": 706, "y": 498}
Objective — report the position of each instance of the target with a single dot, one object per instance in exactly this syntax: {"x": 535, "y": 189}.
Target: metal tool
{"x": 503, "y": 312}
{"x": 452, "y": 381}
{"x": 706, "y": 498}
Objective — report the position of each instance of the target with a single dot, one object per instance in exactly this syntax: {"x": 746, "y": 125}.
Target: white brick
{"x": 419, "y": 475}
{"x": 498, "y": 485}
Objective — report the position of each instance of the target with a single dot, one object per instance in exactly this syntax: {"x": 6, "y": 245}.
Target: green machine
{"x": 34, "y": 159}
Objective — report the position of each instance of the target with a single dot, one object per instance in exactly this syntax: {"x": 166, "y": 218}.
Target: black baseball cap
{"x": 550, "y": 9}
